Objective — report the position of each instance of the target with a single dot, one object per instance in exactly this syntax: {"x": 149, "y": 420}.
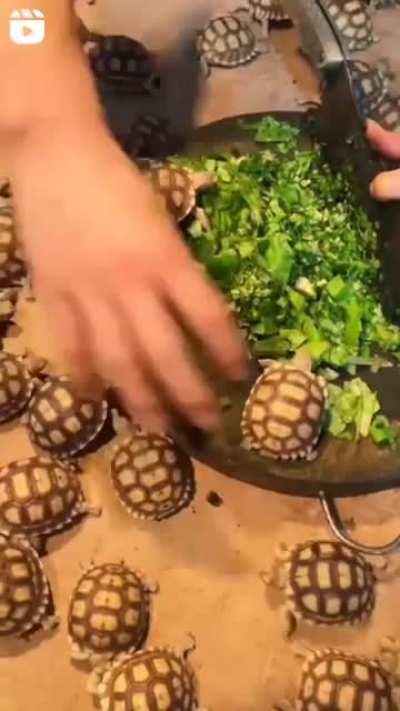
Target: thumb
{"x": 386, "y": 142}
{"x": 386, "y": 186}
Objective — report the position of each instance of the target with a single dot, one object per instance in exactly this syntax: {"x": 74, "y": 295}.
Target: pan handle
{"x": 337, "y": 526}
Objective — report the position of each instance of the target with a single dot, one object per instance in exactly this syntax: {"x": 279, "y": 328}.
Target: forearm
{"x": 48, "y": 81}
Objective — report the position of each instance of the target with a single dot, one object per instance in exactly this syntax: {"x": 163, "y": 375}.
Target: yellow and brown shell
{"x": 227, "y": 41}
{"x": 109, "y": 612}
{"x": 283, "y": 415}
{"x": 62, "y": 423}
{"x": 12, "y": 267}
{"x": 152, "y": 476}
{"x": 353, "y": 21}
{"x": 178, "y": 188}
{"x": 332, "y": 679}
{"x": 271, "y": 10}
{"x": 39, "y": 496}
{"x": 328, "y": 583}
{"x": 150, "y": 680}
{"x": 16, "y": 386}
{"x": 175, "y": 187}
{"x": 24, "y": 590}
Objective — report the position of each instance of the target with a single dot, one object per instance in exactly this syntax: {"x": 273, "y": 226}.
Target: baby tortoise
{"x": 178, "y": 189}
{"x": 325, "y": 583}
{"x": 353, "y": 22}
{"x": 108, "y": 613}
{"x": 387, "y": 113}
{"x": 61, "y": 422}
{"x": 122, "y": 64}
{"x": 149, "y": 137}
{"x": 284, "y": 412}
{"x": 152, "y": 476}
{"x": 268, "y": 12}
{"x": 332, "y": 679}
{"x": 25, "y": 597}
{"x": 370, "y": 83}
{"x": 229, "y": 41}
{"x": 17, "y": 383}
{"x": 155, "y": 679}
{"x": 12, "y": 267}
{"x": 40, "y": 496}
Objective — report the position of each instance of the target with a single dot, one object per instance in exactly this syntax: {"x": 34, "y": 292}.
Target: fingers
{"x": 162, "y": 346}
{"x": 386, "y": 142}
{"x": 69, "y": 327}
{"x": 386, "y": 186}
{"x": 207, "y": 315}
{"x": 117, "y": 360}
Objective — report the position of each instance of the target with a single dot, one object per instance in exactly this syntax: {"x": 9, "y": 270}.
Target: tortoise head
{"x": 203, "y": 180}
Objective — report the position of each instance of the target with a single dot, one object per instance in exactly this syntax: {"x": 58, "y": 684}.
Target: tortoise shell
{"x": 370, "y": 84}
{"x": 122, "y": 63}
{"x": 152, "y": 476}
{"x": 271, "y": 10}
{"x": 109, "y": 612}
{"x": 24, "y": 590}
{"x": 39, "y": 496}
{"x": 62, "y": 423}
{"x": 328, "y": 583}
{"x": 148, "y": 137}
{"x": 12, "y": 267}
{"x": 227, "y": 41}
{"x": 387, "y": 113}
{"x": 353, "y": 22}
{"x": 176, "y": 188}
{"x": 283, "y": 415}
{"x": 16, "y": 386}
{"x": 150, "y": 680}
{"x": 332, "y": 679}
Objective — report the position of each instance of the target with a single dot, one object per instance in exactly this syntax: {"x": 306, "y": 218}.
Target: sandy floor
{"x": 207, "y": 560}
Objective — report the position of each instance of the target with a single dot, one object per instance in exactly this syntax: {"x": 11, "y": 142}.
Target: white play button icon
{"x": 27, "y": 26}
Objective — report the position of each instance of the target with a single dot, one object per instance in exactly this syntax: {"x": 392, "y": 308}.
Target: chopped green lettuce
{"x": 293, "y": 251}
{"x": 353, "y": 410}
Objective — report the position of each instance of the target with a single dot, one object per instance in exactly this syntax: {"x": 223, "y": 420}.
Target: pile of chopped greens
{"x": 354, "y": 414}
{"x": 294, "y": 252}
{"x": 297, "y": 257}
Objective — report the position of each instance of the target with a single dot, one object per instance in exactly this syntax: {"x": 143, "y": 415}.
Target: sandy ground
{"x": 207, "y": 560}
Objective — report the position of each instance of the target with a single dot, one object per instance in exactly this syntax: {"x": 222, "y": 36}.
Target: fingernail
{"x": 370, "y": 122}
{"x": 372, "y": 189}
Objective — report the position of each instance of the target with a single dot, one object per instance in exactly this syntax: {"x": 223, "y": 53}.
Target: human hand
{"x": 115, "y": 276}
{"x": 386, "y": 186}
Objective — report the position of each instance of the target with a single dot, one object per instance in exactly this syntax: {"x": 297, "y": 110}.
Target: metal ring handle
{"x": 338, "y": 528}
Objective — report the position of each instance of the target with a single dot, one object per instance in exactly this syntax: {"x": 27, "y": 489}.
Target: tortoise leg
{"x": 385, "y": 568}
{"x": 261, "y": 33}
{"x": 205, "y": 67}
{"x": 389, "y": 654}
{"x": 202, "y": 219}
{"x": 90, "y": 509}
{"x": 289, "y": 623}
{"x": 284, "y": 705}
{"x": 50, "y": 623}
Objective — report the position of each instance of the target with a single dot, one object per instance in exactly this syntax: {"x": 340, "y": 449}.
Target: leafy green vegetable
{"x": 353, "y": 414}
{"x": 293, "y": 251}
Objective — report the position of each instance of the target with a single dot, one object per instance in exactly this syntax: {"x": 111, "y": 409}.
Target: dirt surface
{"x": 208, "y": 559}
